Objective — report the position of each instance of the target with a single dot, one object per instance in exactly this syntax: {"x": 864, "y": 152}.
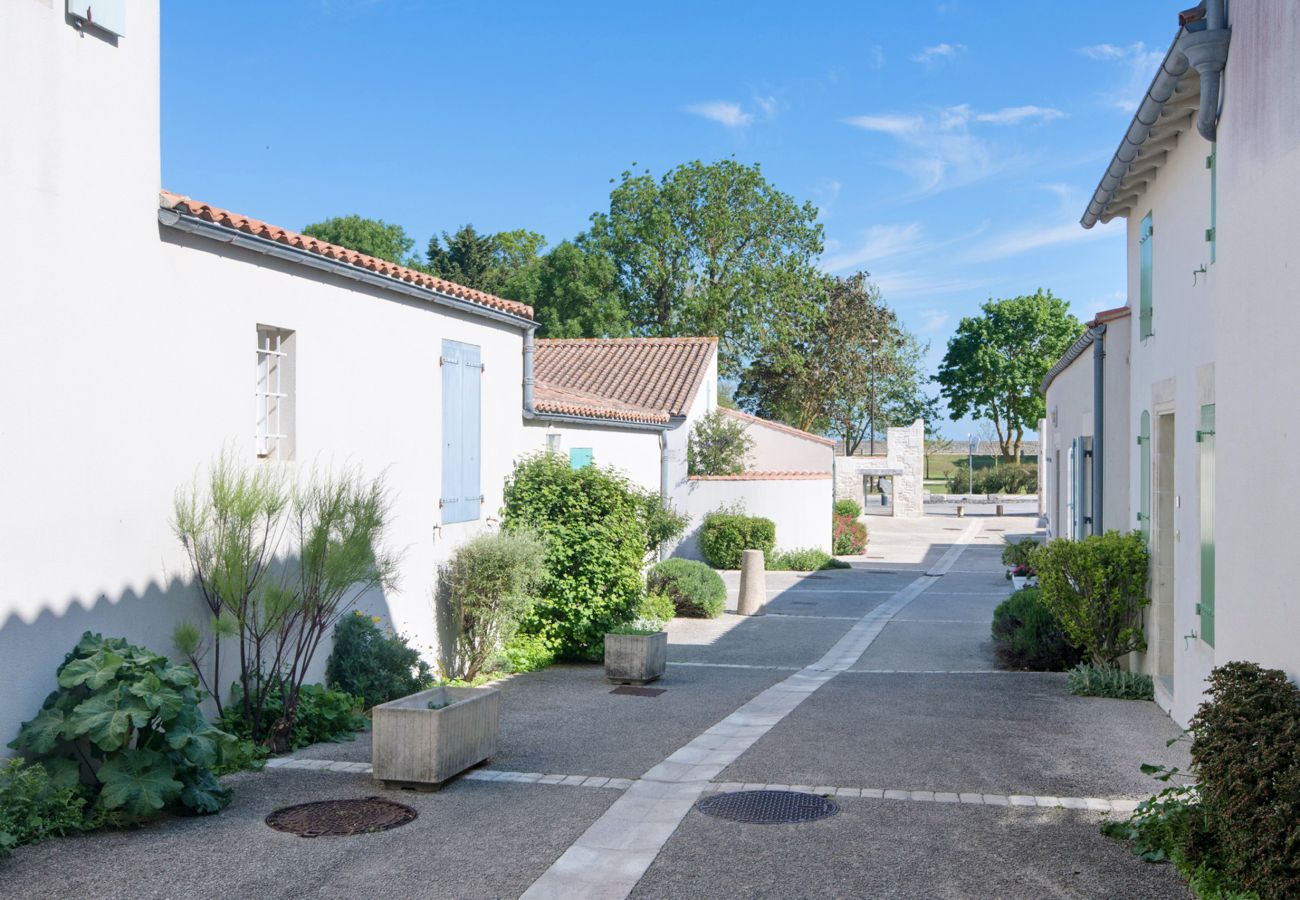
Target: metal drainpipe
{"x": 1207, "y": 52}
{"x": 530, "y": 410}
{"x": 663, "y": 481}
{"x": 1098, "y": 422}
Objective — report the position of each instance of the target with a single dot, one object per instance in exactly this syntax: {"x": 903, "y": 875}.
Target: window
{"x": 1212, "y": 163}
{"x": 462, "y": 376}
{"x": 1144, "y": 277}
{"x": 579, "y": 457}
{"x": 1144, "y": 475}
{"x": 273, "y": 397}
{"x": 1206, "y": 445}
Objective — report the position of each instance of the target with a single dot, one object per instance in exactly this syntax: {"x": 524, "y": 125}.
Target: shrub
{"x": 718, "y": 445}
{"x": 692, "y": 587}
{"x": 655, "y": 611}
{"x": 1027, "y": 636}
{"x": 726, "y": 534}
{"x": 848, "y": 537}
{"x": 591, "y": 523}
{"x": 1246, "y": 753}
{"x": 323, "y": 715}
{"x": 372, "y": 665}
{"x": 1108, "y": 681}
{"x": 485, "y": 591}
{"x": 850, "y": 508}
{"x": 662, "y": 524}
{"x": 1007, "y": 478}
{"x": 1096, "y": 589}
{"x": 34, "y": 806}
{"x": 127, "y": 722}
{"x": 806, "y": 560}
{"x": 1019, "y": 553}
{"x": 526, "y": 653}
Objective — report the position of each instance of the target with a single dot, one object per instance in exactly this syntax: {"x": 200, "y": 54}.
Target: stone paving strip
{"x": 610, "y": 857}
{"x": 713, "y": 665}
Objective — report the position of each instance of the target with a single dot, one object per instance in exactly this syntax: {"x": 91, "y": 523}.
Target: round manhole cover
{"x": 335, "y": 818}
{"x": 768, "y": 807}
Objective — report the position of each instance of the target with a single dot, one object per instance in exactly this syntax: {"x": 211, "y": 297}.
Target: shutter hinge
{"x": 1141, "y": 440}
{"x": 1209, "y": 234}
{"x": 441, "y": 360}
{"x": 482, "y": 499}
{"x": 441, "y": 503}
{"x": 1142, "y": 517}
{"x": 1202, "y": 435}
{"x": 1209, "y": 161}
{"x": 1198, "y": 610}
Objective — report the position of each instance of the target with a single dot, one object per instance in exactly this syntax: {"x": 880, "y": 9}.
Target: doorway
{"x": 1163, "y": 545}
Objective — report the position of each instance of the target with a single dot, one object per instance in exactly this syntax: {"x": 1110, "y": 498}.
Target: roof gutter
{"x": 598, "y": 422}
{"x": 1201, "y": 44}
{"x": 1076, "y": 350}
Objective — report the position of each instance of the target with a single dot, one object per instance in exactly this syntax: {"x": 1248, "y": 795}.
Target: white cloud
{"x": 1014, "y": 115}
{"x": 929, "y": 55}
{"x": 723, "y": 112}
{"x": 895, "y": 125}
{"x": 903, "y": 284}
{"x": 1138, "y": 65}
{"x": 1014, "y": 243}
{"x": 827, "y": 193}
{"x": 878, "y": 242}
{"x": 767, "y": 105}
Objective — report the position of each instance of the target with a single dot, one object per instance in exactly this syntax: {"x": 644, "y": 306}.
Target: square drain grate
{"x": 634, "y": 691}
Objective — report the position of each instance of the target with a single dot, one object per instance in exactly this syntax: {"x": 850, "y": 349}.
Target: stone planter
{"x": 1018, "y": 582}
{"x": 635, "y": 658}
{"x": 422, "y": 748}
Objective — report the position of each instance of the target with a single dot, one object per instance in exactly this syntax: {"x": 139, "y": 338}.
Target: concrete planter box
{"x": 635, "y": 658}
{"x": 423, "y": 748}
{"x": 1018, "y": 582}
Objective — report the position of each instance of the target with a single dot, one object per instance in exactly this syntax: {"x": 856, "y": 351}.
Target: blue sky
{"x": 951, "y": 151}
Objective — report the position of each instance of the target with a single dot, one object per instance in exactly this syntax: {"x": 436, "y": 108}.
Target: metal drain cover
{"x": 336, "y": 818}
{"x": 768, "y": 807}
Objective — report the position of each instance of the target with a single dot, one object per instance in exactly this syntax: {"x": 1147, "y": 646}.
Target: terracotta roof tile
{"x": 765, "y": 476}
{"x": 778, "y": 426}
{"x": 257, "y": 228}
{"x": 660, "y": 375}
{"x": 561, "y": 402}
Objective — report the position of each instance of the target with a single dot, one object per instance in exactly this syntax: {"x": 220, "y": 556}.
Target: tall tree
{"x": 710, "y": 249}
{"x": 573, "y": 290}
{"x": 996, "y": 361}
{"x": 468, "y": 258}
{"x": 374, "y": 237}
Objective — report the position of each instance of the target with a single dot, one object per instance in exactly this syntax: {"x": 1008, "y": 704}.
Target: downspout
{"x": 1098, "y": 333}
{"x": 530, "y": 404}
{"x": 1207, "y": 52}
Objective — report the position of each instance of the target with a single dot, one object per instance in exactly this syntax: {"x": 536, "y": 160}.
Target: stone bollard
{"x": 1001, "y": 510}
{"x": 961, "y": 513}
{"x": 753, "y": 584}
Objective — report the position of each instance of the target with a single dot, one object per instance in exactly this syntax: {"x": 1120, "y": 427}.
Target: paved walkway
{"x": 876, "y": 685}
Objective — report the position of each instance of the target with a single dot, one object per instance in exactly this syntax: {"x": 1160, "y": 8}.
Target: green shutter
{"x": 1205, "y": 439}
{"x": 1145, "y": 243}
{"x": 1211, "y": 233}
{"x": 1144, "y": 476}
{"x": 579, "y": 457}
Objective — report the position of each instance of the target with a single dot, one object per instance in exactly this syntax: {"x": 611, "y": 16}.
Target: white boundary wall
{"x": 801, "y": 508}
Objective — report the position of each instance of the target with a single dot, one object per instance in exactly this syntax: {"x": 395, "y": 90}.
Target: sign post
{"x": 970, "y": 463}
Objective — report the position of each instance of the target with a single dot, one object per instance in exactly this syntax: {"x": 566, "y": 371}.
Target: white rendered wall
{"x": 801, "y": 509}
{"x": 634, "y": 453}
{"x": 775, "y": 449}
{"x": 1257, "y": 283}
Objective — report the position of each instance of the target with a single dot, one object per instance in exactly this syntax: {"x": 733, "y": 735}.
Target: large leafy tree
{"x": 574, "y": 292}
{"x": 467, "y": 257}
{"x": 996, "y": 361}
{"x": 710, "y": 249}
{"x": 374, "y": 237}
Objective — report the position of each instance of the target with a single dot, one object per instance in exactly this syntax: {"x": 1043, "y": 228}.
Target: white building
{"x": 1208, "y": 180}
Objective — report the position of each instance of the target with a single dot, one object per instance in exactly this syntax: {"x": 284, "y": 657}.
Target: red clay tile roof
{"x": 228, "y": 219}
{"x": 658, "y": 376}
{"x": 778, "y": 426}
{"x": 1110, "y": 315}
{"x": 765, "y": 476}
{"x": 561, "y": 402}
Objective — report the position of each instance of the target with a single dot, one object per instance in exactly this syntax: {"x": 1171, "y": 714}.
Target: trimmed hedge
{"x": 694, "y": 588}
{"x": 1027, "y": 636}
{"x": 850, "y": 508}
{"x": 725, "y": 536}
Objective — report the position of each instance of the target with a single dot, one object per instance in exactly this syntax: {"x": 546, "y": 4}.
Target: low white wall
{"x": 634, "y": 453}
{"x": 801, "y": 509}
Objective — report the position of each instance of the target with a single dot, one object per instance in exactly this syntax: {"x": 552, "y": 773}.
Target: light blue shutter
{"x": 1145, "y": 248}
{"x": 1205, "y": 438}
{"x": 452, "y": 417}
{"x": 471, "y": 424}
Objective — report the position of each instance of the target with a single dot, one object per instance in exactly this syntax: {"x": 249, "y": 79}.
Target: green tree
{"x": 710, "y": 249}
{"x": 373, "y": 237}
{"x": 468, "y": 258}
{"x": 573, "y": 290}
{"x": 718, "y": 445}
{"x": 996, "y": 361}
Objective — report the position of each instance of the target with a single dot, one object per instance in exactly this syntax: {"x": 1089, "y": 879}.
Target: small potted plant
{"x": 1020, "y": 576}
{"x": 637, "y": 651}
{"x": 423, "y": 740}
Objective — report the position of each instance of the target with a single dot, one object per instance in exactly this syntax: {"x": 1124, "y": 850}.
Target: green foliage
{"x": 1096, "y": 588}
{"x": 662, "y": 524}
{"x": 323, "y": 715}
{"x": 487, "y": 588}
{"x": 469, "y": 258}
{"x": 35, "y": 806}
{"x": 655, "y": 611}
{"x": 1019, "y": 553}
{"x": 1027, "y": 636}
{"x": 242, "y": 756}
{"x": 848, "y": 536}
{"x": 1246, "y": 752}
{"x": 718, "y": 445}
{"x": 710, "y": 249}
{"x": 726, "y": 534}
{"x": 591, "y": 521}
{"x": 373, "y": 665}
{"x": 127, "y": 721}
{"x": 574, "y": 293}
{"x": 809, "y": 559}
{"x": 527, "y": 653}
{"x": 1107, "y": 681}
{"x": 373, "y": 237}
{"x": 996, "y": 361}
{"x": 692, "y": 587}
{"x": 1008, "y": 478}
{"x": 850, "y": 508}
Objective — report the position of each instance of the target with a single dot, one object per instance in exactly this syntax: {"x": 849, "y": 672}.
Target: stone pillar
{"x": 753, "y": 584}
{"x": 907, "y": 453}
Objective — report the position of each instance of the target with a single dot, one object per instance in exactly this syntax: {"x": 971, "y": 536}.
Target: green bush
{"x": 323, "y": 715}
{"x": 372, "y": 665}
{"x": 34, "y": 806}
{"x": 1246, "y": 753}
{"x": 1170, "y": 827}
{"x": 726, "y": 534}
{"x": 1096, "y": 588}
{"x": 1107, "y": 681}
{"x": 1006, "y": 478}
{"x": 591, "y": 523}
{"x": 693, "y": 588}
{"x": 848, "y": 537}
{"x": 526, "y": 653}
{"x": 809, "y": 559}
{"x": 850, "y": 508}
{"x": 1019, "y": 553}
{"x": 718, "y": 445}
{"x": 1027, "y": 636}
{"x": 662, "y": 524}
{"x": 127, "y": 722}
{"x": 485, "y": 591}
{"x": 655, "y": 611}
